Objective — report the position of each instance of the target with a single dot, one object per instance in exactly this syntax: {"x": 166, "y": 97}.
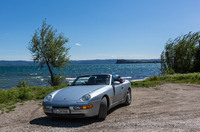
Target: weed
{"x": 157, "y": 88}
{"x": 23, "y": 84}
{"x": 10, "y": 108}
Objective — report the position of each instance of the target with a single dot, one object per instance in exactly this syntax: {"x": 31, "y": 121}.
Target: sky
{"x": 98, "y": 29}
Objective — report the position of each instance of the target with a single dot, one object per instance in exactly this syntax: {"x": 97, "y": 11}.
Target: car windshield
{"x": 92, "y": 80}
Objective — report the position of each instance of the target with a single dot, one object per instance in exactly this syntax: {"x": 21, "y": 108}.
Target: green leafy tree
{"x": 48, "y": 48}
{"x": 197, "y": 59}
{"x": 179, "y": 54}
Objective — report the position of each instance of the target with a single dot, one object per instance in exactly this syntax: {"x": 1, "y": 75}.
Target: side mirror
{"x": 116, "y": 83}
{"x": 69, "y": 84}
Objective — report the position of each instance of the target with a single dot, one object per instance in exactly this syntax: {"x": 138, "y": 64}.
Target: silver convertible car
{"x": 87, "y": 96}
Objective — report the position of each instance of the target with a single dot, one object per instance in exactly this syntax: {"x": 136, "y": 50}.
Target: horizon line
{"x": 89, "y": 59}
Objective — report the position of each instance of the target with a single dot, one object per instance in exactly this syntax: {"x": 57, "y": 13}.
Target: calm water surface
{"x": 10, "y": 75}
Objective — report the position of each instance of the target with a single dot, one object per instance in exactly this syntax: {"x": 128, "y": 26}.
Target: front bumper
{"x": 73, "y": 113}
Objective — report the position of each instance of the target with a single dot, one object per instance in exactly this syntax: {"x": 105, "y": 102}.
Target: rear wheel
{"x": 128, "y": 97}
{"x": 103, "y": 109}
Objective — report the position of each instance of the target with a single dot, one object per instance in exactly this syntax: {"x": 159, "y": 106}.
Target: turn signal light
{"x": 87, "y": 107}
{"x": 83, "y": 107}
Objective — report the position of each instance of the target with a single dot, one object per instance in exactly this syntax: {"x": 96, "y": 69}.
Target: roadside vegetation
{"x": 9, "y": 97}
{"x": 182, "y": 54}
{"x": 193, "y": 78}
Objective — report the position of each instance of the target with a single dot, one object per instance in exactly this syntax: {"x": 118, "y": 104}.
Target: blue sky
{"x": 98, "y": 29}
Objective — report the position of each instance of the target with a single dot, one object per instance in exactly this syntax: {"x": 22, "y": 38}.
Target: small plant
{"x": 157, "y": 88}
{"x": 57, "y": 81}
{"x": 10, "y": 108}
{"x": 2, "y": 111}
{"x": 153, "y": 78}
{"x": 23, "y": 84}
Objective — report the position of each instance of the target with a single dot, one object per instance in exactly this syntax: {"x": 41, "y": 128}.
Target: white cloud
{"x": 77, "y": 44}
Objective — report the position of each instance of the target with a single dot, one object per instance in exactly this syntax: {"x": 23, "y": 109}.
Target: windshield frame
{"x": 89, "y": 76}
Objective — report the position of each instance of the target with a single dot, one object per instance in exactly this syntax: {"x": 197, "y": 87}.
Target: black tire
{"x": 103, "y": 109}
{"x": 128, "y": 97}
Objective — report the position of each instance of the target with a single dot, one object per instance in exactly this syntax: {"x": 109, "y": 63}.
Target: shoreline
{"x": 67, "y": 79}
{"x": 136, "y": 80}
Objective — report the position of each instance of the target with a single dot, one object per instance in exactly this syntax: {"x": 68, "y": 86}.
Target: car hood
{"x": 74, "y": 93}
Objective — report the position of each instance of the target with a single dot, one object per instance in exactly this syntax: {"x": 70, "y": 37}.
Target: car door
{"x": 118, "y": 91}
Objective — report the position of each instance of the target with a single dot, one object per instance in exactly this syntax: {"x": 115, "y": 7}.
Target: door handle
{"x": 122, "y": 87}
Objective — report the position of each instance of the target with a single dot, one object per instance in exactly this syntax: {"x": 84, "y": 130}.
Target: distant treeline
{"x": 123, "y": 61}
{"x": 76, "y": 62}
{"x": 73, "y": 62}
{"x": 18, "y": 63}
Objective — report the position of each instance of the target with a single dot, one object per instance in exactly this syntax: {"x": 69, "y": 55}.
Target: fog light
{"x": 77, "y": 107}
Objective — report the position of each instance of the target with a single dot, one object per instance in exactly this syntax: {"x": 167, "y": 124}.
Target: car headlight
{"x": 47, "y": 98}
{"x": 86, "y": 97}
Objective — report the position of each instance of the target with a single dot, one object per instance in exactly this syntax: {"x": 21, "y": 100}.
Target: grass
{"x": 10, "y": 108}
{"x": 193, "y": 78}
{"x": 12, "y": 96}
{"x": 8, "y": 98}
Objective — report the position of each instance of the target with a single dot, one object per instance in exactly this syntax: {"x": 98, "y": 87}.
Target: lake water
{"x": 10, "y": 75}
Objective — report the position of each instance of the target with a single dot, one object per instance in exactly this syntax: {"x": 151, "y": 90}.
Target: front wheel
{"x": 128, "y": 97}
{"x": 103, "y": 109}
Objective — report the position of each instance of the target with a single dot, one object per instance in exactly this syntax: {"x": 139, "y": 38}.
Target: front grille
{"x": 57, "y": 107}
{"x": 47, "y": 110}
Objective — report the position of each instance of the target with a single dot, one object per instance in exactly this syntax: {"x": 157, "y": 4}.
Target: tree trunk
{"x": 51, "y": 73}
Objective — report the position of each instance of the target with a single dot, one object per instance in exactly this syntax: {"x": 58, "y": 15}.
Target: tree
{"x": 197, "y": 59}
{"x": 48, "y": 48}
{"x": 179, "y": 54}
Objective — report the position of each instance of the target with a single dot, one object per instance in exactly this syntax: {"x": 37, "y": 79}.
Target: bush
{"x": 25, "y": 93}
{"x": 153, "y": 78}
{"x": 181, "y": 54}
{"x": 57, "y": 80}
{"x": 23, "y": 84}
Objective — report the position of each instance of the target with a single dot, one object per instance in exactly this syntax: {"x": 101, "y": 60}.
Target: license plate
{"x": 61, "y": 111}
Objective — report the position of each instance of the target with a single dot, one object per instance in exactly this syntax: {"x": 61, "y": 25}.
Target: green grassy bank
{"x": 193, "y": 78}
{"x": 12, "y": 96}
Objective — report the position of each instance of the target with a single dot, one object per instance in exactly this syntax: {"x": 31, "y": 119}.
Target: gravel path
{"x": 169, "y": 107}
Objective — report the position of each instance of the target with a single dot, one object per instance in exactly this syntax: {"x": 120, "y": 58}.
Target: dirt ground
{"x": 169, "y": 107}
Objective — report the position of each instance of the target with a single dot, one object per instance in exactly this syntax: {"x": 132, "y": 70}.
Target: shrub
{"x": 181, "y": 54}
{"x": 25, "y": 93}
{"x": 23, "y": 83}
{"x": 57, "y": 81}
{"x": 153, "y": 78}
